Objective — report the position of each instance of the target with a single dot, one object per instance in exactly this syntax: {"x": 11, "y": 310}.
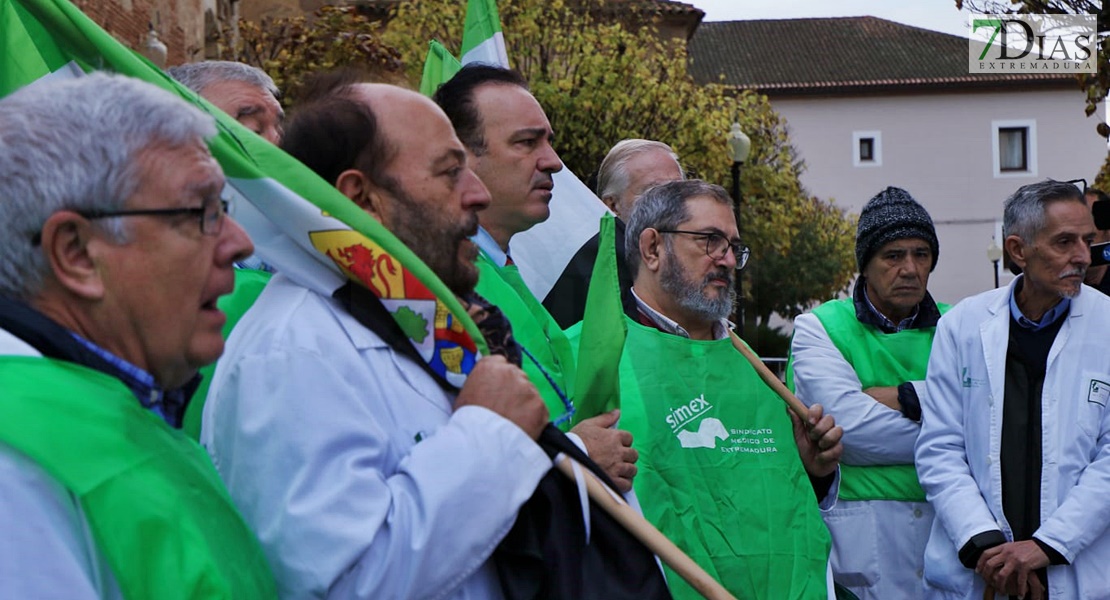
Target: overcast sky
{"x": 938, "y": 15}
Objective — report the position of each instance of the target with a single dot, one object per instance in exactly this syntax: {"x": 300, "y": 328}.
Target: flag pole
{"x": 769, "y": 378}
{"x": 649, "y": 536}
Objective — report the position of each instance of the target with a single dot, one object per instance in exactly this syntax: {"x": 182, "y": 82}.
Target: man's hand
{"x": 818, "y": 441}
{"x": 885, "y": 395}
{"x": 502, "y": 387}
{"x": 610, "y": 448}
{"x": 1008, "y": 568}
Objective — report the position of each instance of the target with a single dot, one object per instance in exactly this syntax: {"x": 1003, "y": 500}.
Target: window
{"x": 867, "y": 149}
{"x": 1013, "y": 149}
{"x": 1014, "y": 145}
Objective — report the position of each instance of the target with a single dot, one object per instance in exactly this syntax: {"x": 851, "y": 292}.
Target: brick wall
{"x": 179, "y": 23}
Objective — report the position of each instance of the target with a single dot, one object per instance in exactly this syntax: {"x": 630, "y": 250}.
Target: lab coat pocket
{"x": 1092, "y": 399}
{"x": 855, "y": 552}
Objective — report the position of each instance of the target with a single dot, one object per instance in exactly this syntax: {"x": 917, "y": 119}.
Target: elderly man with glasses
{"x": 114, "y": 247}
{"x": 723, "y": 468}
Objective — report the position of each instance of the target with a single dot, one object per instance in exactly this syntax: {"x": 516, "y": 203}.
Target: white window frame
{"x": 876, "y": 148}
{"x": 1030, "y": 126}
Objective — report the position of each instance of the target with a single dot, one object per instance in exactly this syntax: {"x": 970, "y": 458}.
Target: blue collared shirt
{"x": 490, "y": 246}
{"x": 1047, "y": 319}
{"x": 887, "y": 324}
{"x": 169, "y": 405}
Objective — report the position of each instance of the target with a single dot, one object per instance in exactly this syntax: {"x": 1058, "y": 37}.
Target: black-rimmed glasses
{"x": 210, "y": 216}
{"x": 716, "y": 245}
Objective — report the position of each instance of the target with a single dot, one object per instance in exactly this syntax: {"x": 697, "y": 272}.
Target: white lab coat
{"x": 878, "y": 545}
{"x": 48, "y": 550}
{"x": 349, "y": 462}
{"x": 958, "y": 449}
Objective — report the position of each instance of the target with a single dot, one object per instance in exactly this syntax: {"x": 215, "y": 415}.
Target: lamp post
{"x": 153, "y": 48}
{"x": 994, "y": 254}
{"x": 738, "y": 147}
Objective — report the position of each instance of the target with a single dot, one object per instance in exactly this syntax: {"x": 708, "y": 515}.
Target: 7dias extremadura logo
{"x": 1031, "y": 44}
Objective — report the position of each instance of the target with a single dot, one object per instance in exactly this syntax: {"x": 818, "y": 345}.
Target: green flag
{"x": 601, "y": 333}
{"x": 299, "y": 223}
{"x": 482, "y": 40}
{"x": 440, "y": 66}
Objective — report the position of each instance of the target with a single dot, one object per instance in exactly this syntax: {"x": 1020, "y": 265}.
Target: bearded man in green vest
{"x": 863, "y": 358}
{"x": 725, "y": 471}
{"x": 115, "y": 248}
{"x": 508, "y": 142}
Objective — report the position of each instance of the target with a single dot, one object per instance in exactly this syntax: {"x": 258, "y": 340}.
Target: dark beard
{"x": 691, "y": 296}
{"x": 444, "y": 246}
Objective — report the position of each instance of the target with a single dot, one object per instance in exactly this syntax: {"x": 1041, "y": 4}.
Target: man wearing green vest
{"x": 508, "y": 140}
{"x": 725, "y": 472}
{"x": 115, "y": 248}
{"x": 863, "y": 359}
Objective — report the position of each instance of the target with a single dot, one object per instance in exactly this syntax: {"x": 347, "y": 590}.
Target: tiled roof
{"x": 666, "y": 7}
{"x": 836, "y": 55}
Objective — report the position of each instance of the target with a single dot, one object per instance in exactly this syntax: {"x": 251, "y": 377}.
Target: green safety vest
{"x": 534, "y": 329}
{"x": 719, "y": 472}
{"x": 156, "y": 507}
{"x": 879, "y": 359}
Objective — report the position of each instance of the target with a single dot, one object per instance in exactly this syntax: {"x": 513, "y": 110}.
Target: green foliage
{"x": 290, "y": 48}
{"x": 603, "y": 74}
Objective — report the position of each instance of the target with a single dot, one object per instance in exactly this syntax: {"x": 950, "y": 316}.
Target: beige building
{"x": 871, "y": 103}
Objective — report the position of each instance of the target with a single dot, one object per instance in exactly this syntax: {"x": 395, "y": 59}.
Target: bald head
{"x": 395, "y": 154}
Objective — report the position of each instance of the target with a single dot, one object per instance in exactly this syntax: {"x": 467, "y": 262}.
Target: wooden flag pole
{"x": 769, "y": 378}
{"x": 644, "y": 531}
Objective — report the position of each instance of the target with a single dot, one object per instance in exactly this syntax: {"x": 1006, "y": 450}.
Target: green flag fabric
{"x": 439, "y": 66}
{"x": 299, "y": 223}
{"x": 482, "y": 40}
{"x": 601, "y": 333}
{"x": 719, "y": 472}
{"x": 156, "y": 507}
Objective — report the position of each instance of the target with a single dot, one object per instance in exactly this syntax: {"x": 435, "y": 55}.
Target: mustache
{"x": 1073, "y": 272}
{"x": 721, "y": 273}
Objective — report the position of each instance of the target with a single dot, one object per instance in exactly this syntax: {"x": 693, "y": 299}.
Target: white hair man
{"x": 631, "y": 167}
{"x": 1014, "y": 451}
{"x": 114, "y": 246}
{"x": 246, "y": 93}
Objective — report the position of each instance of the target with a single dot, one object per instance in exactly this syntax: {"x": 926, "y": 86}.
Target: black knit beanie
{"x": 892, "y": 215}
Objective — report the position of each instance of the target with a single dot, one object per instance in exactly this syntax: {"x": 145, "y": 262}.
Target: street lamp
{"x": 153, "y": 48}
{"x": 738, "y": 147}
{"x": 994, "y": 254}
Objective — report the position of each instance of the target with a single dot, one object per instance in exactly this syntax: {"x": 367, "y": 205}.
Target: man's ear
{"x": 70, "y": 250}
{"x": 651, "y": 249}
{"x": 1017, "y": 249}
{"x": 354, "y": 184}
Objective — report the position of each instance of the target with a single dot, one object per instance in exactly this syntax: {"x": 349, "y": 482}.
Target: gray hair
{"x": 1023, "y": 214}
{"x": 77, "y": 144}
{"x": 612, "y": 176}
{"x": 664, "y": 207}
{"x": 197, "y": 76}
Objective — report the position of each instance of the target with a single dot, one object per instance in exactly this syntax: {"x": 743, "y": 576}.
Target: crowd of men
{"x": 947, "y": 451}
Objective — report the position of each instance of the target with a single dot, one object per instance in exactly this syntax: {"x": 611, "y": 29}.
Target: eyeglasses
{"x": 210, "y": 216}
{"x": 716, "y": 245}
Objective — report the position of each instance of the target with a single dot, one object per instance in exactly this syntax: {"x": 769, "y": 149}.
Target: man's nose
{"x": 548, "y": 161}
{"x": 235, "y": 245}
{"x": 475, "y": 196}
